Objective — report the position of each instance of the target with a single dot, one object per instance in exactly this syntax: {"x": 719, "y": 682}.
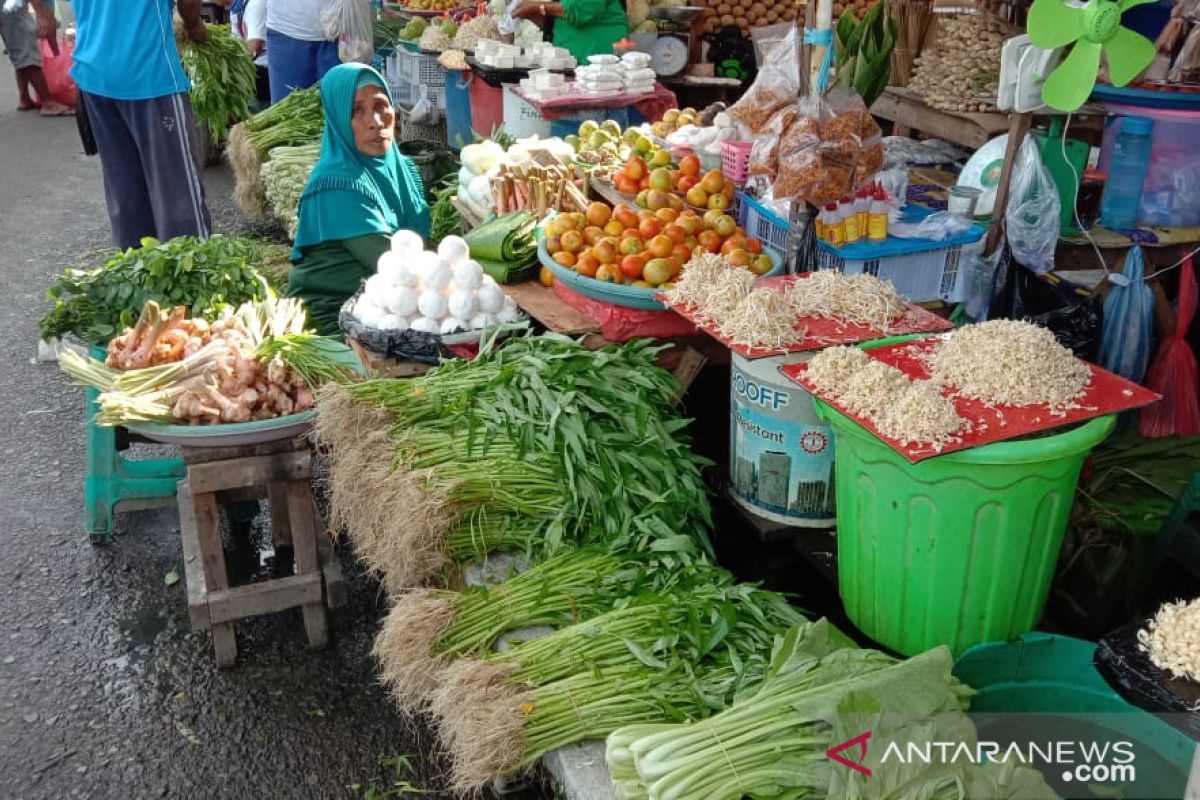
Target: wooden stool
{"x": 280, "y": 471}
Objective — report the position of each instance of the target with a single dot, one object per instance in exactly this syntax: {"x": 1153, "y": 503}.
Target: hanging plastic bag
{"x": 1128, "y": 320}
{"x": 777, "y": 85}
{"x": 1173, "y": 374}
{"x": 349, "y": 21}
{"x": 1033, "y": 210}
{"x": 57, "y": 69}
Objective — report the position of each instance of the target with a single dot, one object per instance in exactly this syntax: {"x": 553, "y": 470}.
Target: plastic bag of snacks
{"x": 831, "y": 145}
{"x": 777, "y": 86}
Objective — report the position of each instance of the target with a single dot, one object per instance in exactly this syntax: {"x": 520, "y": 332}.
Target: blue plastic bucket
{"x": 458, "y": 109}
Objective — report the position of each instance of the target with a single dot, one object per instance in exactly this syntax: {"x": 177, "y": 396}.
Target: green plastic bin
{"x": 958, "y": 549}
{"x": 1054, "y": 678}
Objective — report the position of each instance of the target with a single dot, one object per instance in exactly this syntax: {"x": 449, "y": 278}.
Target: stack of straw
{"x": 916, "y": 24}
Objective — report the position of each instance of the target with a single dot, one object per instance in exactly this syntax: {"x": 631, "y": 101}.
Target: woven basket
{"x": 420, "y": 131}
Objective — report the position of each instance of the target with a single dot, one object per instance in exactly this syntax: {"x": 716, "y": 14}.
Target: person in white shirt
{"x": 299, "y": 51}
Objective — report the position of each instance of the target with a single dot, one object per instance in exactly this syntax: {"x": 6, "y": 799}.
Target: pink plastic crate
{"x": 735, "y": 160}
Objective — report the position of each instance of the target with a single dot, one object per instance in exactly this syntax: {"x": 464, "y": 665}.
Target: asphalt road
{"x": 104, "y": 690}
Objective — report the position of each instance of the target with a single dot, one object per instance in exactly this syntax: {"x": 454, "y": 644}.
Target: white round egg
{"x": 426, "y": 325}
{"x": 407, "y": 243}
{"x": 388, "y": 266}
{"x": 506, "y": 315}
{"x": 461, "y": 304}
{"x": 454, "y": 249}
{"x": 390, "y": 322}
{"x": 423, "y": 265}
{"x": 490, "y": 298}
{"x": 453, "y": 325}
{"x": 468, "y": 274}
{"x": 377, "y": 288}
{"x": 439, "y": 277}
{"x": 403, "y": 301}
{"x": 405, "y": 276}
{"x": 432, "y": 304}
{"x": 478, "y": 322}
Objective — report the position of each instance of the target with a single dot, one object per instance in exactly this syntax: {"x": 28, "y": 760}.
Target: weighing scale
{"x": 678, "y": 40}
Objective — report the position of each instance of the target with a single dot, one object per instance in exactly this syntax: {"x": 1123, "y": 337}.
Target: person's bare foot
{"x": 53, "y": 109}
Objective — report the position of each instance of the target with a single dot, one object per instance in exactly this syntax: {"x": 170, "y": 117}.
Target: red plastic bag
{"x": 58, "y": 71}
{"x": 620, "y": 324}
{"x": 1173, "y": 373}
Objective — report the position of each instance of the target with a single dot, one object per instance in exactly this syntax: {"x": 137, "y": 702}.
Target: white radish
{"x": 490, "y": 298}
{"x": 453, "y": 249}
{"x": 407, "y": 243}
{"x": 461, "y": 304}
{"x": 432, "y": 304}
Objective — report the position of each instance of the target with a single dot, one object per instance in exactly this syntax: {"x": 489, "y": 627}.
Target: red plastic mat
{"x": 1106, "y": 393}
{"x": 820, "y": 332}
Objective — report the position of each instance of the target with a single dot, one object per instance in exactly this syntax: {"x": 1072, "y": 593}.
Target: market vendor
{"x": 585, "y": 27}
{"x": 359, "y": 193}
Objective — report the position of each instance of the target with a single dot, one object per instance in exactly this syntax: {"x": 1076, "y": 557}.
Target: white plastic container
{"x": 780, "y": 451}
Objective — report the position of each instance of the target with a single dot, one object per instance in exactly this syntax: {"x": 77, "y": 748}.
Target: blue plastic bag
{"x": 1128, "y": 333}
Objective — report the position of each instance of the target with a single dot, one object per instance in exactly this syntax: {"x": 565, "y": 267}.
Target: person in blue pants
{"x": 135, "y": 93}
{"x": 299, "y": 51}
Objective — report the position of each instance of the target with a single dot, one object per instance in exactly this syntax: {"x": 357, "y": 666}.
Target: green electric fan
{"x": 1092, "y": 27}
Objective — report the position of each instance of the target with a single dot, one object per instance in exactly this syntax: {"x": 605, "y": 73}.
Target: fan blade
{"x": 1125, "y": 5}
{"x": 1053, "y": 23}
{"x": 1069, "y": 86}
{"x": 1128, "y": 54}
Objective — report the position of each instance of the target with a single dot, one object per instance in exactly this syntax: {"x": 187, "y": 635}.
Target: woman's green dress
{"x": 350, "y": 207}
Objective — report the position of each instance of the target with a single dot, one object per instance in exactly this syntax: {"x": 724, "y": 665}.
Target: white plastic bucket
{"x": 522, "y": 120}
{"x": 780, "y": 451}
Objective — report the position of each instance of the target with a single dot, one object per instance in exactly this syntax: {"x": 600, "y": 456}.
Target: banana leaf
{"x": 507, "y": 239}
{"x": 508, "y": 271}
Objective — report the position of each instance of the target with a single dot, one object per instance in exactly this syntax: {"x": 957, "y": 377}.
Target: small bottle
{"x": 850, "y": 217}
{"x": 877, "y": 218}
{"x": 862, "y": 207}
{"x": 819, "y": 224}
{"x": 835, "y": 227}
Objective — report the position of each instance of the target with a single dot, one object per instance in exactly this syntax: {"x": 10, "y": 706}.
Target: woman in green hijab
{"x": 360, "y": 192}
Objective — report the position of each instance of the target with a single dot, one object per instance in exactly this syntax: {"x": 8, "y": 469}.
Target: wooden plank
{"x": 541, "y": 303}
{"x": 212, "y": 557}
{"x": 267, "y": 597}
{"x": 386, "y": 366}
{"x": 193, "y": 562}
{"x": 202, "y": 455}
{"x": 250, "y": 471}
{"x": 1016, "y": 137}
{"x": 690, "y": 363}
{"x": 281, "y": 525}
{"x": 304, "y": 542}
{"x": 905, "y": 107}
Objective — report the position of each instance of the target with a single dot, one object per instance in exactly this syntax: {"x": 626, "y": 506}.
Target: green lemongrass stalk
{"x": 87, "y": 371}
{"x": 119, "y": 408}
{"x": 165, "y": 376}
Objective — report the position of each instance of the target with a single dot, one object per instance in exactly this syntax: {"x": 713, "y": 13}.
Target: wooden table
{"x": 908, "y": 111}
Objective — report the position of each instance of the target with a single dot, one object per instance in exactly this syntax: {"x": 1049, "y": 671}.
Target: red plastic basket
{"x": 735, "y": 160}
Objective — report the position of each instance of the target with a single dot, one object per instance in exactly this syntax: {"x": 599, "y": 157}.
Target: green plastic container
{"x": 958, "y": 549}
{"x": 1053, "y": 677}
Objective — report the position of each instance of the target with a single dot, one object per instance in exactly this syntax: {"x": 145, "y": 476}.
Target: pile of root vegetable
{"x": 567, "y": 473}
{"x": 250, "y": 364}
{"x": 746, "y": 314}
{"x": 960, "y": 70}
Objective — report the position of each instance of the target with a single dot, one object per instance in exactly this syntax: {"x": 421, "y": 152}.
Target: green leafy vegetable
{"x": 224, "y": 79}
{"x": 206, "y": 276}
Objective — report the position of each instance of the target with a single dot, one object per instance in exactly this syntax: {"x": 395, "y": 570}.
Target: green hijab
{"x": 350, "y": 193}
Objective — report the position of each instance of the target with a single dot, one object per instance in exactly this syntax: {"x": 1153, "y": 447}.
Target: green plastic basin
{"x": 958, "y": 549}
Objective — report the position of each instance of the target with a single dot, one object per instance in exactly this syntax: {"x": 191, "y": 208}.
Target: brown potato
{"x": 772, "y": 17}
{"x": 727, "y": 19}
{"x": 742, "y": 22}
{"x": 756, "y": 10}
